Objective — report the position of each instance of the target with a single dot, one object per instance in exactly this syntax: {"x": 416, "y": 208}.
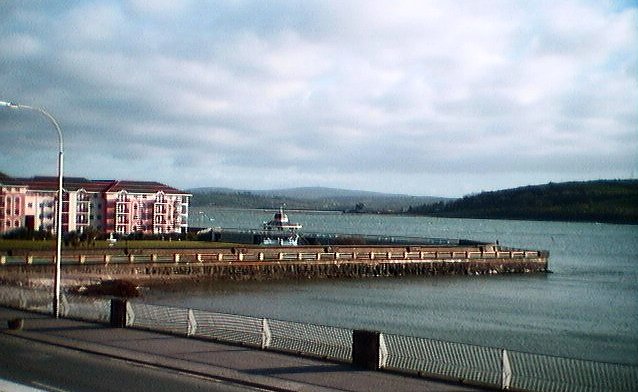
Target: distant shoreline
{"x": 600, "y": 201}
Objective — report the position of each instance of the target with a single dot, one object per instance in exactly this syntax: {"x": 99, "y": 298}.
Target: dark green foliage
{"x": 242, "y": 199}
{"x": 611, "y": 201}
{"x": 23, "y": 233}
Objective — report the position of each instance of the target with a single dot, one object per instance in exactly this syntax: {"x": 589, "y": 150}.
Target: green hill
{"x": 325, "y": 199}
{"x": 610, "y": 201}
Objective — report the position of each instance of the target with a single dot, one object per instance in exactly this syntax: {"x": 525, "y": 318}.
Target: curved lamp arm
{"x": 58, "y": 254}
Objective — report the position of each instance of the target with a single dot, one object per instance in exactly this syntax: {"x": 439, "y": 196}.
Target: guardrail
{"x": 307, "y": 237}
{"x": 469, "y": 364}
{"x": 294, "y": 254}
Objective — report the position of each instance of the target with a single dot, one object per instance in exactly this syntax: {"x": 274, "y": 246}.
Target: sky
{"x": 438, "y": 98}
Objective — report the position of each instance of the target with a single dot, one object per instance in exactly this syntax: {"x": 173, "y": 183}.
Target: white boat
{"x": 281, "y": 223}
{"x": 280, "y": 231}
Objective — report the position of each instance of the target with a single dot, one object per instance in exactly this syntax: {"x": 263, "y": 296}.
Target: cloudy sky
{"x": 441, "y": 98}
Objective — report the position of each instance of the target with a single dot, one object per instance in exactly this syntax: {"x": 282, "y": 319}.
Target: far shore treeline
{"x": 604, "y": 201}
{"x": 608, "y": 201}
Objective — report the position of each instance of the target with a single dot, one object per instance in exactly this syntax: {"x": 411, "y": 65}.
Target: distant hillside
{"x": 611, "y": 201}
{"x": 314, "y": 193}
{"x": 328, "y": 199}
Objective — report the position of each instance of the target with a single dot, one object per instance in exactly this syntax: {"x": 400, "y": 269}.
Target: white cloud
{"x": 92, "y": 24}
{"x": 20, "y": 46}
{"x": 168, "y": 8}
{"x": 370, "y": 95}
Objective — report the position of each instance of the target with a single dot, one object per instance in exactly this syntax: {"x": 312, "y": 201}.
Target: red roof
{"x": 75, "y": 183}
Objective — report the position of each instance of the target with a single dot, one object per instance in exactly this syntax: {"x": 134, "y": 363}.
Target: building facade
{"x": 106, "y": 206}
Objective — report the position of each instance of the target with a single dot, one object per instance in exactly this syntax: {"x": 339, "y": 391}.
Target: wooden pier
{"x": 304, "y": 262}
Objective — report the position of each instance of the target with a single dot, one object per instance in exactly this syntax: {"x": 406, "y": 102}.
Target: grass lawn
{"x": 122, "y": 244}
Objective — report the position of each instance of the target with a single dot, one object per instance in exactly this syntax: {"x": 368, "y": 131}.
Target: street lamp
{"x": 58, "y": 251}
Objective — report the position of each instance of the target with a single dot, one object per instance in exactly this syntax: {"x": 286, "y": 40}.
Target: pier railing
{"x": 469, "y": 364}
{"x": 257, "y": 254}
{"x": 253, "y": 236}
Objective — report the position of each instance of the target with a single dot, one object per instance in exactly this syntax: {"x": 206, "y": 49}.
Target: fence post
{"x": 130, "y": 314}
{"x": 506, "y": 371}
{"x": 365, "y": 349}
{"x": 64, "y": 305}
{"x": 118, "y": 312}
{"x": 192, "y": 323}
{"x": 266, "y": 336}
{"x": 383, "y": 352}
{"x": 176, "y": 258}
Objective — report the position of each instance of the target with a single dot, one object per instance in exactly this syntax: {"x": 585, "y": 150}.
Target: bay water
{"x": 587, "y": 308}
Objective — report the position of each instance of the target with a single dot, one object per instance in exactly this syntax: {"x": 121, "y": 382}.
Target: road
{"x": 57, "y": 369}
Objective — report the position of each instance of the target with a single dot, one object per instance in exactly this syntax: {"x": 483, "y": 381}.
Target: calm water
{"x": 588, "y": 308}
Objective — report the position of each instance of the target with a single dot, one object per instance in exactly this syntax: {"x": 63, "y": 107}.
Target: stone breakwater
{"x": 266, "y": 263}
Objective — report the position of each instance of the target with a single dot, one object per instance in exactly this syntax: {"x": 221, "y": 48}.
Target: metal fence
{"x": 469, "y": 364}
{"x": 41, "y": 301}
{"x": 438, "y": 358}
{"x": 307, "y": 339}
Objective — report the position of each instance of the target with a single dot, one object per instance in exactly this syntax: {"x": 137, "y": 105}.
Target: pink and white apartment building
{"x": 108, "y": 206}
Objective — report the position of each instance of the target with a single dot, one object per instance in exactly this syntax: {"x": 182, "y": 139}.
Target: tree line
{"x": 609, "y": 201}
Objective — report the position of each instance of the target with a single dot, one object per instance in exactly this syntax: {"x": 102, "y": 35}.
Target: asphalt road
{"x": 56, "y": 369}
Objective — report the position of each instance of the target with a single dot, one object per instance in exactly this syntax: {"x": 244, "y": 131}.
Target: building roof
{"x": 45, "y": 183}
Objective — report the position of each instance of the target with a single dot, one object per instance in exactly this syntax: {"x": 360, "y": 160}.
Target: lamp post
{"x": 58, "y": 251}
